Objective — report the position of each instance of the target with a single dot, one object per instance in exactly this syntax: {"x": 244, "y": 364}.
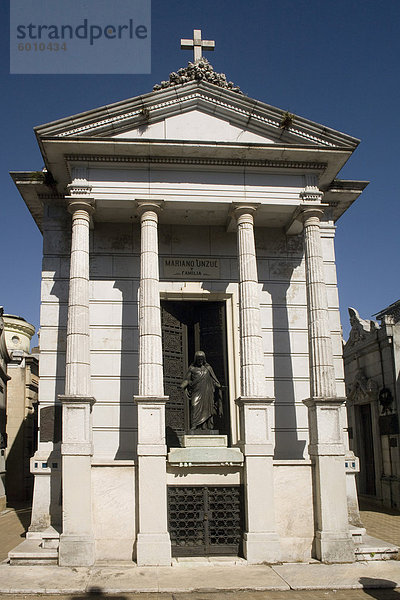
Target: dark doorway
{"x": 186, "y": 328}
{"x": 366, "y": 451}
{"x": 205, "y": 520}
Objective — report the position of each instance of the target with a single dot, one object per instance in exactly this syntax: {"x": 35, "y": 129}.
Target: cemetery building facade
{"x": 4, "y": 360}
{"x": 22, "y": 398}
{"x": 192, "y": 218}
{"x": 372, "y": 375}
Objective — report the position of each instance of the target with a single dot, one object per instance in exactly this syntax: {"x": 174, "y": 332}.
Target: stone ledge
{"x": 205, "y": 456}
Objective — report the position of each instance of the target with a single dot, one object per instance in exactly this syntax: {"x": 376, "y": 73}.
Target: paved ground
{"x": 103, "y": 581}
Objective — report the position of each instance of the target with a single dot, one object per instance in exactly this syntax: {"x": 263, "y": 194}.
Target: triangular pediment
{"x": 196, "y": 111}
{"x": 195, "y": 125}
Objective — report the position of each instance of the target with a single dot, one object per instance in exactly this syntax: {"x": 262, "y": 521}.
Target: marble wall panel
{"x": 52, "y": 314}
{"x": 56, "y": 241}
{"x": 115, "y": 415}
{"x": 54, "y": 291}
{"x": 285, "y": 365}
{"x": 118, "y": 238}
{"x": 126, "y": 266}
{"x": 270, "y": 242}
{"x": 293, "y": 487}
{"x": 334, "y": 320}
{"x": 294, "y": 317}
{"x": 192, "y": 241}
{"x": 287, "y": 270}
{"x": 330, "y": 273}
{"x": 337, "y": 347}
{"x": 117, "y": 389}
{"x": 50, "y": 387}
{"x": 114, "y": 338}
{"x": 291, "y": 445}
{"x": 113, "y": 493}
{"x": 114, "y": 443}
{"x": 53, "y": 339}
{"x": 121, "y": 290}
{"x": 328, "y": 249}
{"x": 113, "y": 314}
{"x": 113, "y": 363}
{"x": 333, "y": 296}
{"x": 285, "y": 342}
{"x": 50, "y": 362}
{"x": 51, "y": 267}
{"x": 222, "y": 243}
{"x": 101, "y": 266}
{"x": 290, "y": 415}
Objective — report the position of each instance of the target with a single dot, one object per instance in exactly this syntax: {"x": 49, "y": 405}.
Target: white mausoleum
{"x": 190, "y": 218}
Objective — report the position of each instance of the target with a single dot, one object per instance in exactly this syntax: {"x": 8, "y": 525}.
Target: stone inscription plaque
{"x": 196, "y": 268}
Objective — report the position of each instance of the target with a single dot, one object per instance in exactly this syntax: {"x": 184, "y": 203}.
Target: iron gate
{"x": 204, "y": 520}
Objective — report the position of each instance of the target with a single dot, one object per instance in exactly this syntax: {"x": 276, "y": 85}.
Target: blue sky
{"x": 335, "y": 62}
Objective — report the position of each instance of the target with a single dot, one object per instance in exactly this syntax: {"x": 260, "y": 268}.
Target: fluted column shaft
{"x": 251, "y": 347}
{"x": 77, "y": 540}
{"x": 322, "y": 374}
{"x": 153, "y": 544}
{"x": 150, "y": 341}
{"x": 77, "y": 370}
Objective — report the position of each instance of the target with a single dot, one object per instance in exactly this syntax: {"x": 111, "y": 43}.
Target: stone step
{"x": 50, "y": 538}
{"x": 31, "y": 552}
{"x": 374, "y": 549}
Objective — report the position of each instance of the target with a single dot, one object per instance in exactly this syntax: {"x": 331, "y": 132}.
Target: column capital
{"x": 308, "y": 212}
{"x": 75, "y": 203}
{"x": 239, "y": 209}
{"x": 143, "y": 206}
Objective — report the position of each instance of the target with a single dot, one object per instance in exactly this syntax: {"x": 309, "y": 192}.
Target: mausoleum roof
{"x": 199, "y": 119}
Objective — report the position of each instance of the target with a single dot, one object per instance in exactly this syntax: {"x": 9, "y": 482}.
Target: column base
{"x": 335, "y": 547}
{"x": 76, "y": 551}
{"x": 153, "y": 550}
{"x": 261, "y": 547}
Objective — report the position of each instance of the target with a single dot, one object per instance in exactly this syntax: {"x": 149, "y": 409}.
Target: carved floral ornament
{"x": 198, "y": 71}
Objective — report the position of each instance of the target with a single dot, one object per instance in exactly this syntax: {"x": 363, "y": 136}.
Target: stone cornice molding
{"x": 25, "y": 328}
{"x": 229, "y": 162}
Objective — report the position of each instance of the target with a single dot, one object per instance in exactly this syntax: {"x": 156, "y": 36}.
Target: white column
{"x": 150, "y": 342}
{"x": 153, "y": 545}
{"x": 333, "y": 542}
{"x": 322, "y": 373}
{"x": 252, "y": 374}
{"x": 260, "y": 540}
{"x": 76, "y": 540}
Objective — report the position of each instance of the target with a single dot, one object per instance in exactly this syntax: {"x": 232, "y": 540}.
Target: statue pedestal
{"x": 205, "y": 450}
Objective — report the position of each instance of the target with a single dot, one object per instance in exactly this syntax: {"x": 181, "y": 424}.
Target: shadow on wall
{"x": 281, "y": 269}
{"x": 19, "y": 480}
{"x": 125, "y": 275}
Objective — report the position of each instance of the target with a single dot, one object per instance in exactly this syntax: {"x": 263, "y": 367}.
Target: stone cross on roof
{"x": 197, "y": 44}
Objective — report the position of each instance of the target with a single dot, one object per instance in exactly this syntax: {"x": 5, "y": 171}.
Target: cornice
{"x": 234, "y": 162}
